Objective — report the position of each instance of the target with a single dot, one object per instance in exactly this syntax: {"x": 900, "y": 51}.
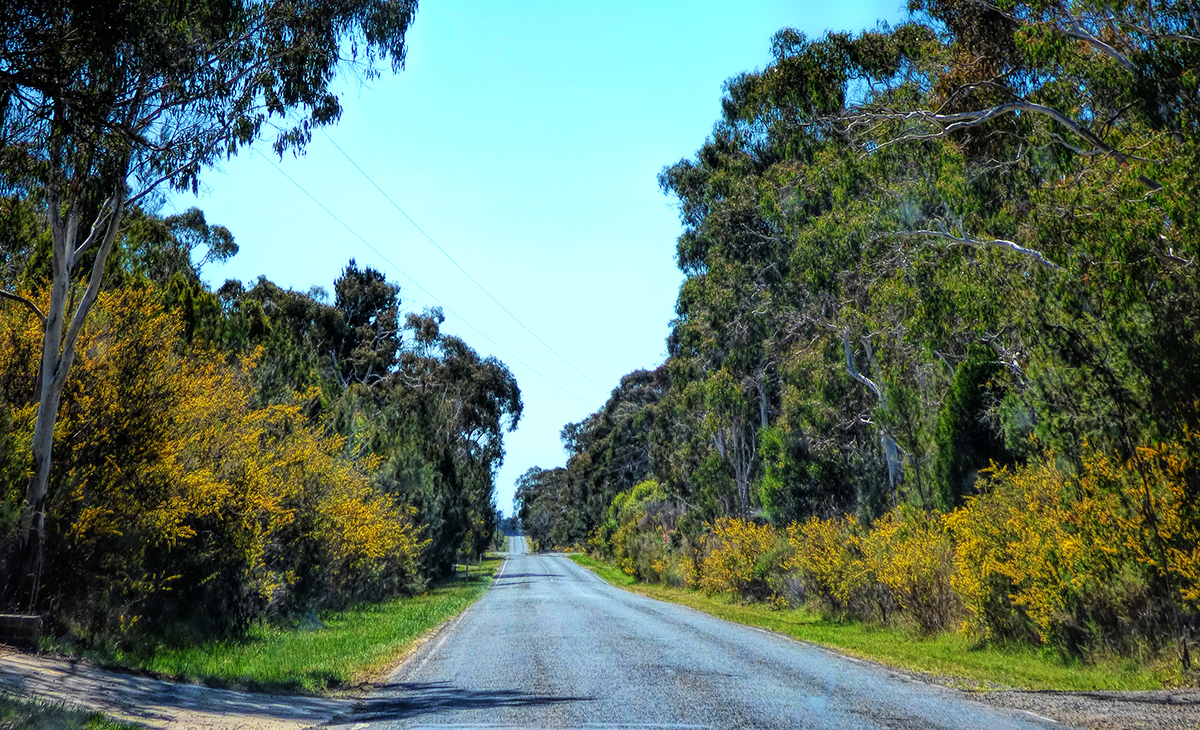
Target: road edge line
{"x": 422, "y": 645}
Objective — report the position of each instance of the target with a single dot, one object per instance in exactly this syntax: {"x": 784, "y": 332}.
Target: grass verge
{"x": 946, "y": 655}
{"x": 18, "y": 713}
{"x": 352, "y": 647}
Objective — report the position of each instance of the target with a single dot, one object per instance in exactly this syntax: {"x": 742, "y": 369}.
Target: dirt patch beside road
{"x": 159, "y": 704}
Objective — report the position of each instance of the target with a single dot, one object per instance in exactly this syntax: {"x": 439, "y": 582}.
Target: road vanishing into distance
{"x": 551, "y": 645}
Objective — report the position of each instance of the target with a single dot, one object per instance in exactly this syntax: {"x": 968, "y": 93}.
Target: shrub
{"x": 742, "y": 559}
{"x": 828, "y": 558}
{"x": 177, "y": 504}
{"x": 637, "y": 533}
{"x": 1098, "y": 556}
{"x": 911, "y": 554}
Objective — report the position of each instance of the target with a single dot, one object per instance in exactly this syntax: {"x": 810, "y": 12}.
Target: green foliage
{"x": 437, "y": 424}
{"x": 915, "y": 252}
{"x": 965, "y": 442}
{"x": 251, "y": 454}
{"x": 611, "y": 451}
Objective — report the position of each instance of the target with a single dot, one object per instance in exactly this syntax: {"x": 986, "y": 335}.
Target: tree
{"x": 436, "y": 422}
{"x": 104, "y": 103}
{"x": 367, "y": 338}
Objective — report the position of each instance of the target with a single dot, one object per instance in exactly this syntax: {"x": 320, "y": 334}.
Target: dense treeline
{"x": 250, "y": 453}
{"x": 939, "y": 317}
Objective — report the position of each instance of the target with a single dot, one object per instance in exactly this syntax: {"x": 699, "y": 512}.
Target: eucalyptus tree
{"x": 104, "y": 104}
{"x": 436, "y": 422}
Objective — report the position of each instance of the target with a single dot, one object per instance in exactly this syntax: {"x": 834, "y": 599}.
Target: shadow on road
{"x": 411, "y": 699}
{"x": 506, "y": 576}
{"x": 158, "y": 703}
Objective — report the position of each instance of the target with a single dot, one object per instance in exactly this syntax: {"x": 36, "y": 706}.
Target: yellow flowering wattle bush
{"x": 1082, "y": 558}
{"x": 828, "y": 557}
{"x": 742, "y": 559}
{"x": 911, "y": 554}
{"x": 175, "y": 499}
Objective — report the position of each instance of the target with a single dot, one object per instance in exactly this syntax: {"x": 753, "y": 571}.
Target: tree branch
{"x": 948, "y": 123}
{"x": 28, "y": 304}
{"x": 93, "y": 289}
{"x": 1076, "y": 30}
{"x": 91, "y": 239}
{"x": 853, "y": 369}
{"x": 980, "y": 243}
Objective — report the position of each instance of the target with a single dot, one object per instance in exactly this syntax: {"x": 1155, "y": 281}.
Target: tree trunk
{"x": 58, "y": 354}
{"x": 27, "y": 576}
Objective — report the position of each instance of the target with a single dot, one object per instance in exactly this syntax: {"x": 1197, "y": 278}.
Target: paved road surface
{"x": 552, "y": 646}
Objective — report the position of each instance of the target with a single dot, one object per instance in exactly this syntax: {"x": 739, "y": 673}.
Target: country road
{"x": 553, "y": 646}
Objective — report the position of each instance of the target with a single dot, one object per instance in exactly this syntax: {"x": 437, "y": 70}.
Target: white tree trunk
{"x": 58, "y": 355}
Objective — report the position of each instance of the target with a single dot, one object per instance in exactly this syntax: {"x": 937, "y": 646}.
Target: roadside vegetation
{"x": 24, "y": 714}
{"x": 337, "y": 650}
{"x": 947, "y": 657}
{"x": 228, "y": 460}
{"x": 219, "y": 470}
{"x": 935, "y": 368}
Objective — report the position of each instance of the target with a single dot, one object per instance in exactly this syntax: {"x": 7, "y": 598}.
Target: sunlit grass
{"x": 945, "y": 654}
{"x": 353, "y": 646}
{"x": 17, "y": 713}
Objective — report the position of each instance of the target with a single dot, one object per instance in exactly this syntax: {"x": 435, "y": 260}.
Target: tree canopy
{"x": 919, "y": 253}
{"x": 103, "y": 104}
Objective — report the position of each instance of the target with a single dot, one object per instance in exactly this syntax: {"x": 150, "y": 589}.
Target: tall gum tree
{"x": 103, "y": 103}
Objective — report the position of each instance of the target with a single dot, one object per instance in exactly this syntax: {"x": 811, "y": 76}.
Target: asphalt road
{"x": 550, "y": 645}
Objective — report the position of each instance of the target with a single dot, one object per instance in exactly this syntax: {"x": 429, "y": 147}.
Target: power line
{"x": 456, "y": 264}
{"x": 415, "y": 283}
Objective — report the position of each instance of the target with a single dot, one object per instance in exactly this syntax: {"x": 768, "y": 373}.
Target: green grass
{"x": 946, "y": 654}
{"x": 354, "y": 646}
{"x": 610, "y": 573}
{"x": 18, "y": 713}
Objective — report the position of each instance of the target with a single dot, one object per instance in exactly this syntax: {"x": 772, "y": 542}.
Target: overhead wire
{"x": 450, "y": 258}
{"x": 415, "y": 283}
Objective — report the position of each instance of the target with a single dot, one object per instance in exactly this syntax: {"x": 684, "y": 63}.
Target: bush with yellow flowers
{"x": 742, "y": 558}
{"x": 177, "y": 501}
{"x": 1105, "y": 555}
{"x": 827, "y": 555}
{"x": 911, "y": 554}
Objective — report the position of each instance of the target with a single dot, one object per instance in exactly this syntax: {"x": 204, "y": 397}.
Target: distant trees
{"x": 103, "y": 103}
{"x": 610, "y": 451}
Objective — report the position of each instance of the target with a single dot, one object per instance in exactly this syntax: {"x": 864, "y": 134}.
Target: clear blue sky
{"x": 526, "y": 139}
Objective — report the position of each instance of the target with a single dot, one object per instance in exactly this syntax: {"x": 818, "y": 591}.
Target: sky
{"x": 525, "y": 138}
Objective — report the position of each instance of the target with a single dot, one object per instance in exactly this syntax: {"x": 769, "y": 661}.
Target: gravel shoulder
{"x": 1097, "y": 710}
{"x": 1106, "y": 710}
